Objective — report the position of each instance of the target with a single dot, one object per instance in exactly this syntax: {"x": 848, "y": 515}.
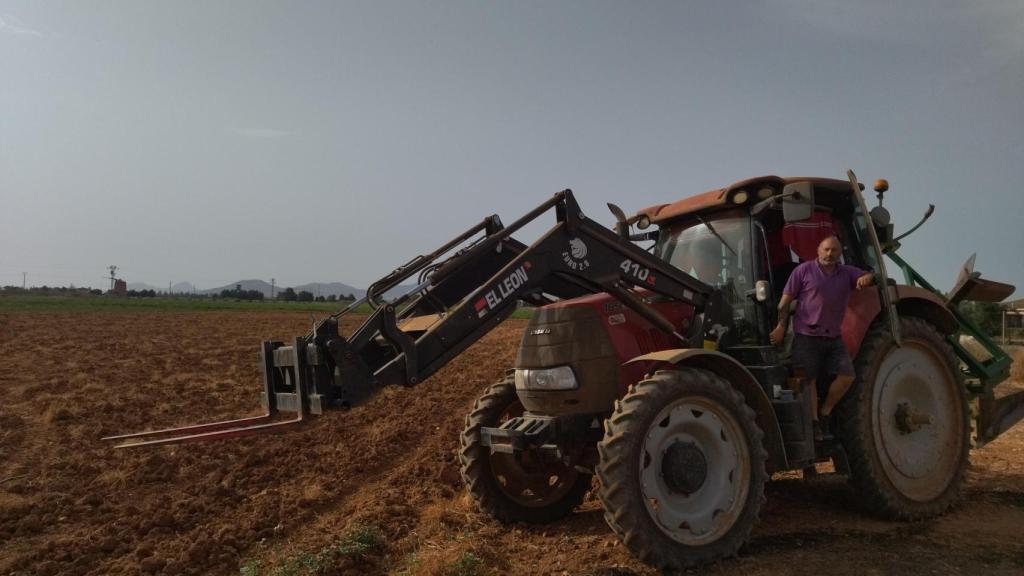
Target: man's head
{"x": 829, "y": 251}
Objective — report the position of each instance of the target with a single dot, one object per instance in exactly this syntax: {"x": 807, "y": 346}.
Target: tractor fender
{"x": 741, "y": 379}
{"x": 920, "y": 303}
{"x": 910, "y": 301}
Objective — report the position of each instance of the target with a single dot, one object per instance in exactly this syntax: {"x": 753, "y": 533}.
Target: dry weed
{"x": 1017, "y": 369}
{"x": 444, "y": 546}
{"x": 974, "y": 348}
{"x": 452, "y": 558}
{"x": 443, "y": 515}
{"x": 56, "y": 412}
{"x": 113, "y": 477}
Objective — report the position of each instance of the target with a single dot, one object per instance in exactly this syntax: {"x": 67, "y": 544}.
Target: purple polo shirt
{"x": 821, "y": 300}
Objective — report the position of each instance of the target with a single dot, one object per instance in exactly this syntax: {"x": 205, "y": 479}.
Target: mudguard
{"x": 741, "y": 378}
{"x": 864, "y": 308}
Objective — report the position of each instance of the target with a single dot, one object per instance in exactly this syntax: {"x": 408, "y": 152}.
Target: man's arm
{"x": 779, "y": 332}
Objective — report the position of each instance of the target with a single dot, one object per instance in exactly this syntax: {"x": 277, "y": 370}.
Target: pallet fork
{"x": 241, "y": 426}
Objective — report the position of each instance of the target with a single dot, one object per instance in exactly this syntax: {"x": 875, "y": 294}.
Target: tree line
{"x": 52, "y": 290}
{"x": 286, "y": 295}
{"x": 290, "y": 295}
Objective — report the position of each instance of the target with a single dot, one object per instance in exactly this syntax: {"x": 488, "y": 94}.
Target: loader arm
{"x": 469, "y": 286}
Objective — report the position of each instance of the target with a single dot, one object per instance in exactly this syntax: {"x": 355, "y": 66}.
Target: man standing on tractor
{"x": 822, "y": 290}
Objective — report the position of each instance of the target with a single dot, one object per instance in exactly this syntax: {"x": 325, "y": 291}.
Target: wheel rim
{"x": 919, "y": 431}
{"x": 527, "y": 480}
{"x": 695, "y": 470}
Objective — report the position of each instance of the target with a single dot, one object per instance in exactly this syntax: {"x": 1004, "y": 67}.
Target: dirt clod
{"x": 152, "y": 565}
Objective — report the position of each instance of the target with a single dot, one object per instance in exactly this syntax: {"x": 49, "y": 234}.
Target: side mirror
{"x": 797, "y": 201}
{"x": 883, "y": 224}
{"x": 761, "y": 290}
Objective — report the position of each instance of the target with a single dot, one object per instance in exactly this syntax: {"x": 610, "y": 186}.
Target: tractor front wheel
{"x": 515, "y": 488}
{"x": 682, "y": 469}
{"x": 904, "y": 424}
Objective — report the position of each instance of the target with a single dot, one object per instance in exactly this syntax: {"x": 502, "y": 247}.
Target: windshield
{"x": 714, "y": 249}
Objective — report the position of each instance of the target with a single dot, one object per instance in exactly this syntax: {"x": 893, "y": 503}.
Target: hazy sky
{"x": 215, "y": 141}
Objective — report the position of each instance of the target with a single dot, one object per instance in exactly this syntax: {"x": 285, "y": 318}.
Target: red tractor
{"x": 647, "y": 362}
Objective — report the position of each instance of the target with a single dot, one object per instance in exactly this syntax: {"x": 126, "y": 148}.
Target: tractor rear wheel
{"x": 682, "y": 469}
{"x": 904, "y": 424}
{"x": 521, "y": 487}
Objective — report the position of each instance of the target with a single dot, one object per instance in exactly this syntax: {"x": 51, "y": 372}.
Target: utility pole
{"x": 272, "y": 281}
{"x": 24, "y": 275}
{"x": 113, "y": 271}
{"x": 168, "y": 287}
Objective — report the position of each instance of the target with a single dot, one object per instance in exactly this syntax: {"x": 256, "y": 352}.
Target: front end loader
{"x": 466, "y": 287}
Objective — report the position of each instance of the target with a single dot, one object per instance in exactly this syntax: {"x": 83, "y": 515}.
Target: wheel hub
{"x": 910, "y": 419}
{"x": 684, "y": 467}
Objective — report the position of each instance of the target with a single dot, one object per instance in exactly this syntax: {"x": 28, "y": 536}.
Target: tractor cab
{"x": 747, "y": 238}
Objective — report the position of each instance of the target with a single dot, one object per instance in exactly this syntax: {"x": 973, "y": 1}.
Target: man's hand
{"x": 776, "y": 336}
{"x": 865, "y": 281}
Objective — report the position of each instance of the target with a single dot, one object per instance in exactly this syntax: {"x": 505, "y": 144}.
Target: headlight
{"x": 560, "y": 378}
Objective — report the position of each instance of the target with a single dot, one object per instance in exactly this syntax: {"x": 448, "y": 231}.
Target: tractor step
{"x": 519, "y": 434}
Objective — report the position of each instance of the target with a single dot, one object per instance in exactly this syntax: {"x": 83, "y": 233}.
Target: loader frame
{"x": 467, "y": 287}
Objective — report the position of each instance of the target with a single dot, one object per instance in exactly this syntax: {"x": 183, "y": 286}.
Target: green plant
{"x": 359, "y": 543}
{"x": 987, "y": 316}
{"x": 250, "y": 568}
{"x": 468, "y": 564}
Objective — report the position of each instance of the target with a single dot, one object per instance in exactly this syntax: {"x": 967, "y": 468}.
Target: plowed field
{"x": 372, "y": 491}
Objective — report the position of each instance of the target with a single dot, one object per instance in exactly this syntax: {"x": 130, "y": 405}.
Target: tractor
{"x": 647, "y": 363}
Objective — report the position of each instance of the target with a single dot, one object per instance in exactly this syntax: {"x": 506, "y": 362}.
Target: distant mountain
{"x": 327, "y": 288}
{"x": 139, "y": 286}
{"x": 259, "y": 285}
{"x": 183, "y": 288}
{"x": 324, "y": 289}
{"x": 179, "y": 288}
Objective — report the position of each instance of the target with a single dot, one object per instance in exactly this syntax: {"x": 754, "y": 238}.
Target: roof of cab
{"x": 717, "y": 198}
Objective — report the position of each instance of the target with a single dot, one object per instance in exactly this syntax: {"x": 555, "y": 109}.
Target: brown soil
{"x": 69, "y": 504}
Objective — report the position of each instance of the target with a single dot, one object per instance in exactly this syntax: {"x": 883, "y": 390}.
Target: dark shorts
{"x": 821, "y": 355}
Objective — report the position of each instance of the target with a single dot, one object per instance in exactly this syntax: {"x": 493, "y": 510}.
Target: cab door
{"x": 873, "y": 255}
